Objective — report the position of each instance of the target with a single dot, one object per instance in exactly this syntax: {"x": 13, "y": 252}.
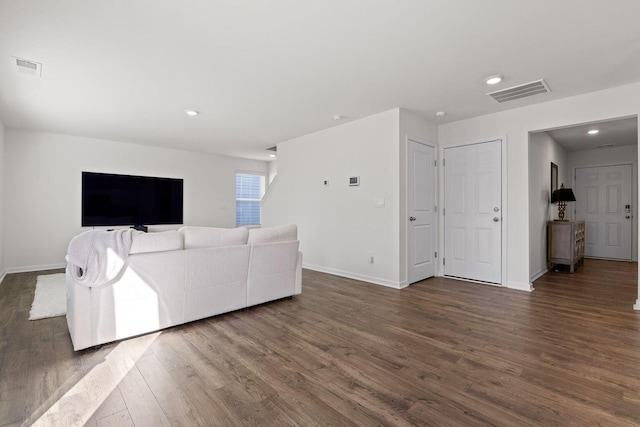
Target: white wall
{"x": 43, "y": 188}
{"x": 272, "y": 171}
{"x": 2, "y": 180}
{"x": 623, "y": 101}
{"x": 338, "y": 225}
{"x": 542, "y": 151}
{"x": 610, "y": 156}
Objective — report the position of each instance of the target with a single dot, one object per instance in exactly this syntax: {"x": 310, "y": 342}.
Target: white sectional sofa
{"x": 174, "y": 277}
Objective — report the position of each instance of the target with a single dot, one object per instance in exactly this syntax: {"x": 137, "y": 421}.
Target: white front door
{"x": 473, "y": 211}
{"x": 420, "y": 211}
{"x": 603, "y": 201}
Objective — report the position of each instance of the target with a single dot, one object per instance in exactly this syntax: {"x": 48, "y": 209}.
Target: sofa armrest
{"x": 273, "y": 271}
{"x": 78, "y": 313}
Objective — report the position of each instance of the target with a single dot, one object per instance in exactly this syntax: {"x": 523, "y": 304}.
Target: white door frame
{"x": 503, "y": 223}
{"x": 406, "y": 202}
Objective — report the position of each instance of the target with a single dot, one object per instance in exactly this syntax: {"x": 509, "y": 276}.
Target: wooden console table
{"x": 565, "y": 243}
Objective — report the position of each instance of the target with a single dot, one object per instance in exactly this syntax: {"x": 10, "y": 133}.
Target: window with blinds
{"x": 249, "y": 192}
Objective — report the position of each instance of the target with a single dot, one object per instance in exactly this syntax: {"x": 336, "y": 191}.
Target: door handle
{"x": 412, "y": 218}
{"x": 628, "y": 216}
{"x": 496, "y": 219}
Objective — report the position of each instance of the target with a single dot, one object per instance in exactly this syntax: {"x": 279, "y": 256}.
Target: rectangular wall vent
{"x": 28, "y": 67}
{"x": 521, "y": 91}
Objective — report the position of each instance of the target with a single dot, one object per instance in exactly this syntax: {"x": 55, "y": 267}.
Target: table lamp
{"x": 562, "y": 196}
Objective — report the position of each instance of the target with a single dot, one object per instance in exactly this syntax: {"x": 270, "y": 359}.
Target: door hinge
{"x": 442, "y": 211}
{"x": 435, "y": 163}
{"x": 435, "y": 209}
{"x": 443, "y": 261}
{"x": 436, "y": 255}
{"x": 443, "y": 162}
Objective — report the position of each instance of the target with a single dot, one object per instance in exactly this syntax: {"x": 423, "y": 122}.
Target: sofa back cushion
{"x": 209, "y": 237}
{"x": 157, "y": 242}
{"x": 283, "y": 233}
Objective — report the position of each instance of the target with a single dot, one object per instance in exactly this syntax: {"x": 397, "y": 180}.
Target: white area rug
{"x": 51, "y": 297}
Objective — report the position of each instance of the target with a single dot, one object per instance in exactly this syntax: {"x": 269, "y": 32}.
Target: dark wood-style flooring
{"x": 441, "y": 352}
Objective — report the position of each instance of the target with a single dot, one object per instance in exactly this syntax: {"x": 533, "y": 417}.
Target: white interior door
{"x": 473, "y": 211}
{"x": 603, "y": 201}
{"x": 421, "y": 211}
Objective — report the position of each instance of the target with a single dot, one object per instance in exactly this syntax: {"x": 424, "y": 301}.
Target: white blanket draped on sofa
{"x": 96, "y": 257}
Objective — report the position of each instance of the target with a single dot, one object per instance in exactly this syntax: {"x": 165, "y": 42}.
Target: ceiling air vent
{"x": 521, "y": 91}
{"x": 28, "y": 67}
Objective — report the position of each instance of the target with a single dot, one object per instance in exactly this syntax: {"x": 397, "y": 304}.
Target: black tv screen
{"x": 110, "y": 199}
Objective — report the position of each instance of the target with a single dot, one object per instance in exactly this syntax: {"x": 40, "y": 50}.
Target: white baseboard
{"x": 527, "y": 287}
{"x": 34, "y": 268}
{"x": 356, "y": 276}
{"x": 3, "y": 274}
{"x": 538, "y": 275}
{"x": 637, "y": 305}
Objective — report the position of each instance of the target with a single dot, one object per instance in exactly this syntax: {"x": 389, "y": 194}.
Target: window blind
{"x": 249, "y": 192}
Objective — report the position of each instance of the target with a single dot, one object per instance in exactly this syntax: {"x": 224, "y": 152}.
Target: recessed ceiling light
{"x": 441, "y": 113}
{"x": 493, "y": 80}
{"x": 272, "y": 155}
{"x": 192, "y": 112}
{"x": 593, "y": 131}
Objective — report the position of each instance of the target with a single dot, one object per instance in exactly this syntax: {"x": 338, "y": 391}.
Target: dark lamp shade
{"x": 563, "y": 195}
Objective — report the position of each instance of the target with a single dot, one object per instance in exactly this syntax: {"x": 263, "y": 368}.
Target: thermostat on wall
{"x": 354, "y": 180}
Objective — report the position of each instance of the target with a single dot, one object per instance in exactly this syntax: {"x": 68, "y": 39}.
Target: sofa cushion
{"x": 209, "y": 237}
{"x": 283, "y": 233}
{"x": 157, "y": 242}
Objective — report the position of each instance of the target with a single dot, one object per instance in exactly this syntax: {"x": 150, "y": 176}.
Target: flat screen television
{"x": 113, "y": 200}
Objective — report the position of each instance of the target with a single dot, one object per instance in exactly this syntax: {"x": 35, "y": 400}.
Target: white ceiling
{"x": 612, "y": 132}
{"x": 262, "y": 72}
